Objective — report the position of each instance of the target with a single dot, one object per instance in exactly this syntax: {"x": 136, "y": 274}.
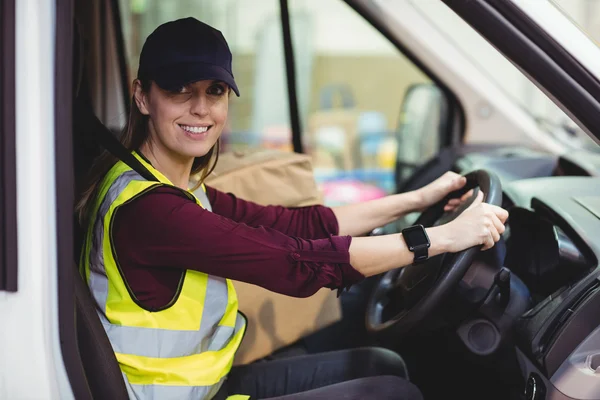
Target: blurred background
{"x": 353, "y": 84}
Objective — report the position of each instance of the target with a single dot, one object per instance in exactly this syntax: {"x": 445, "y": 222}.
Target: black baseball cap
{"x": 184, "y": 51}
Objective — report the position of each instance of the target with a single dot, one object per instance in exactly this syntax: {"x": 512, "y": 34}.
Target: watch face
{"x": 415, "y": 236}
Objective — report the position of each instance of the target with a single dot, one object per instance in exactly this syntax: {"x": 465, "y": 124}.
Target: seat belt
{"x": 107, "y": 140}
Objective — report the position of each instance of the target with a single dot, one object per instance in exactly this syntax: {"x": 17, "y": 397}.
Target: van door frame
{"x": 65, "y": 183}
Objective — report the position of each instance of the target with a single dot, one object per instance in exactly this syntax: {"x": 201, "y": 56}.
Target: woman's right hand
{"x": 479, "y": 225}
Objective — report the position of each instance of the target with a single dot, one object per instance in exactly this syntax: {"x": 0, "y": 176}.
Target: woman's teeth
{"x": 194, "y": 129}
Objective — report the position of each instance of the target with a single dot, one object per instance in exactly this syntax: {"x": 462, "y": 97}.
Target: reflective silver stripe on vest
{"x": 158, "y": 392}
{"x": 201, "y": 195}
{"x": 213, "y": 300}
{"x": 140, "y": 341}
{"x": 160, "y": 343}
{"x": 224, "y": 334}
{"x": 98, "y": 281}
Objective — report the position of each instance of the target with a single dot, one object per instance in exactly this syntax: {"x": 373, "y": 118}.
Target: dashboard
{"x": 542, "y": 254}
{"x": 548, "y": 303}
{"x": 553, "y": 229}
{"x": 550, "y": 238}
{"x": 553, "y": 247}
{"x": 514, "y": 163}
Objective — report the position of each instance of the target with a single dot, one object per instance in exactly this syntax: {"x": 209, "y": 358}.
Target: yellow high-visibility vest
{"x": 183, "y": 351}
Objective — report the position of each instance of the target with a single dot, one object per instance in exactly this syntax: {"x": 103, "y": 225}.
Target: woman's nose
{"x": 200, "y": 105}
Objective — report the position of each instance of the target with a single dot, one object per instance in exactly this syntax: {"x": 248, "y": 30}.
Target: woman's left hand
{"x": 438, "y": 189}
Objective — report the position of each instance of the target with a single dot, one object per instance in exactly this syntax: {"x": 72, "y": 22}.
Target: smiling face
{"x": 185, "y": 124}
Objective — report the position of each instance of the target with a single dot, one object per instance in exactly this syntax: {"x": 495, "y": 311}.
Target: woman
{"x": 159, "y": 265}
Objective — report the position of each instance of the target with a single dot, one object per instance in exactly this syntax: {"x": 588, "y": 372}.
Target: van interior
{"x": 335, "y": 80}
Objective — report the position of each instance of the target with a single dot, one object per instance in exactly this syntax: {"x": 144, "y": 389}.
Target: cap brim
{"x": 175, "y": 76}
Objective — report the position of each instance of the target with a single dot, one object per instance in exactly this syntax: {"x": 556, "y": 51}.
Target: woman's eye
{"x": 183, "y": 90}
{"x": 216, "y": 90}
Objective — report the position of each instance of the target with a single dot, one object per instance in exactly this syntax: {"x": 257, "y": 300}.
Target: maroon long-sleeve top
{"x": 294, "y": 251}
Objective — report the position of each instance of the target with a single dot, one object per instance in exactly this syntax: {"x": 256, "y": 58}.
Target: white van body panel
{"x": 31, "y": 361}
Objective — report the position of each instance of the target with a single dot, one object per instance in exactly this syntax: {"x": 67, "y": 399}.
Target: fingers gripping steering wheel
{"x": 404, "y": 297}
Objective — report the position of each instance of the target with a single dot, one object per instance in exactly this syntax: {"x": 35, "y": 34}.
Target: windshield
{"x": 575, "y": 25}
{"x": 585, "y": 14}
{"x": 502, "y": 72}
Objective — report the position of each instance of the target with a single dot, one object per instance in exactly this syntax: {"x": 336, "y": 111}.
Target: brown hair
{"x": 133, "y": 136}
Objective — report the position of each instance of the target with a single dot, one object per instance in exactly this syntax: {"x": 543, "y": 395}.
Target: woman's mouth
{"x": 195, "y": 131}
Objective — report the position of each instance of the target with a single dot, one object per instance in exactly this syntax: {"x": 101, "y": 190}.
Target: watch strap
{"x": 421, "y": 254}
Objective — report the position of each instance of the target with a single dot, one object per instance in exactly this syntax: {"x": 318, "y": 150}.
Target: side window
{"x": 8, "y": 223}
{"x": 260, "y": 116}
{"x": 366, "y": 109}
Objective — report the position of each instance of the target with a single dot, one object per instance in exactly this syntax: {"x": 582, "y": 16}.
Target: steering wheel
{"x": 404, "y": 297}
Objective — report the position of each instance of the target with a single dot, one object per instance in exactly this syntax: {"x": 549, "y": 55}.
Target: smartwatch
{"x": 418, "y": 242}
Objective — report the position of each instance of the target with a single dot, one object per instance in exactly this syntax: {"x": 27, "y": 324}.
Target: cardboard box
{"x": 274, "y": 320}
